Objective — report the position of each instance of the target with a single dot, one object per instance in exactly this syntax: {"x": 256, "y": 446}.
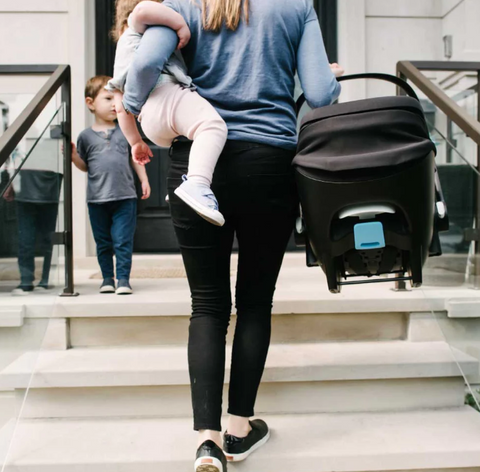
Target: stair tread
{"x": 98, "y": 367}
{"x": 289, "y": 298}
{"x": 434, "y": 440}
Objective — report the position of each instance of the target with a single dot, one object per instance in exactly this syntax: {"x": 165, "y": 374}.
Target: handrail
{"x": 468, "y": 124}
{"x": 410, "y": 71}
{"x": 14, "y": 133}
{"x": 402, "y": 84}
{"x": 449, "y": 66}
{"x": 60, "y": 79}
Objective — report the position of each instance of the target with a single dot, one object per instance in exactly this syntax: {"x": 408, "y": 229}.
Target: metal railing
{"x": 60, "y": 79}
{"x": 412, "y": 71}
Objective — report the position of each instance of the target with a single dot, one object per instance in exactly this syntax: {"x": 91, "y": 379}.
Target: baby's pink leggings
{"x": 173, "y": 111}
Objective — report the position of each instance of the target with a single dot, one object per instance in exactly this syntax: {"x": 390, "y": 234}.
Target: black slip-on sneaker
{"x": 238, "y": 449}
{"x": 210, "y": 458}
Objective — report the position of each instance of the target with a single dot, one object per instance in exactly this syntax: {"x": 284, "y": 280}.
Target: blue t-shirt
{"x": 248, "y": 75}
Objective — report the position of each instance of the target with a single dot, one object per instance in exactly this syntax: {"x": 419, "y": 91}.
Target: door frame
{"x": 327, "y": 11}
{"x": 104, "y": 45}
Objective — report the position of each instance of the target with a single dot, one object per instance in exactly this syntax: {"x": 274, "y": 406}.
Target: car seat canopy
{"x": 382, "y": 132}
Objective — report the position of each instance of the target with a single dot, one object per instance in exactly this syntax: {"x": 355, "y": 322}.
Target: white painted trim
{"x": 449, "y": 5}
{"x": 82, "y": 61}
{"x": 33, "y": 6}
{"x": 404, "y": 9}
{"x": 352, "y": 46}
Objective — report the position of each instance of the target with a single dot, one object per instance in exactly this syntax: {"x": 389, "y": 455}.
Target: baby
{"x": 173, "y": 109}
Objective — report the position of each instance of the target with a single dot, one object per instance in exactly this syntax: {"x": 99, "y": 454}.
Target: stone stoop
{"x": 362, "y": 388}
{"x": 298, "y": 378}
{"x": 443, "y": 440}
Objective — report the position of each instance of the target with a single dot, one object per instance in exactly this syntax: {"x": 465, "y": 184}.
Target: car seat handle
{"x": 385, "y": 77}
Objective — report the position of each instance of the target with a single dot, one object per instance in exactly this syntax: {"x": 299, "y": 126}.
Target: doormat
{"x": 154, "y": 273}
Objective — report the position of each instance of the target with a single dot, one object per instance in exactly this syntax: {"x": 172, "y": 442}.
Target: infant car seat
{"x": 371, "y": 201}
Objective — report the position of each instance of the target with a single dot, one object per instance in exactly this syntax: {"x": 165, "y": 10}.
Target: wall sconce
{"x": 448, "y": 46}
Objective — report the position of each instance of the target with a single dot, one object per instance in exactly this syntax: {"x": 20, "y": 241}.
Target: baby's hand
{"x": 337, "y": 70}
{"x": 146, "y": 191}
{"x": 141, "y": 153}
{"x": 183, "y": 36}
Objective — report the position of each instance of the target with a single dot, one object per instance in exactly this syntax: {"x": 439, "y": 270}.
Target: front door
{"x": 154, "y": 227}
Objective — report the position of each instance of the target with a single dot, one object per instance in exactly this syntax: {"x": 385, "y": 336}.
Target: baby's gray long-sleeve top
{"x": 248, "y": 75}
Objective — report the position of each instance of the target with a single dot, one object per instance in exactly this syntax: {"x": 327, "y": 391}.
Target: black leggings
{"x": 255, "y": 188}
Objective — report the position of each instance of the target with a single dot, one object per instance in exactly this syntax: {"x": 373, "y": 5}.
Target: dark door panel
{"x": 155, "y": 231}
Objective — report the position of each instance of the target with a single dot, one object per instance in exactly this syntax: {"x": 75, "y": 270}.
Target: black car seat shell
{"x": 368, "y": 188}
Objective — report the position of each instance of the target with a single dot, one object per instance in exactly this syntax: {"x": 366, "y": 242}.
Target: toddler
{"x": 173, "y": 109}
{"x": 102, "y": 151}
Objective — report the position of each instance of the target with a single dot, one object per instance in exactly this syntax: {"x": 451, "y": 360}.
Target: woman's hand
{"x": 184, "y": 36}
{"x": 337, "y": 70}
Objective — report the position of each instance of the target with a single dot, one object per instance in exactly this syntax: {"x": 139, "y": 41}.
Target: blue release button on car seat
{"x": 369, "y": 235}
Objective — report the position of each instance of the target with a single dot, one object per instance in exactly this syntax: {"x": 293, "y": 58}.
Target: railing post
{"x": 400, "y": 91}
{"x": 400, "y": 285}
{"x": 68, "y": 291}
{"x": 474, "y": 271}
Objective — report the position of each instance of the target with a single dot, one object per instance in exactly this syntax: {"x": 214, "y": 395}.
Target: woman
{"x": 242, "y": 57}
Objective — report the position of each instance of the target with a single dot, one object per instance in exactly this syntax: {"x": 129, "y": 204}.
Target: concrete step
{"x": 11, "y": 317}
{"x": 7, "y": 406}
{"x": 273, "y": 398}
{"x": 463, "y": 308}
{"x": 376, "y": 376}
{"x": 296, "y": 293}
{"x": 286, "y": 362}
{"x": 288, "y": 328}
{"x": 442, "y": 440}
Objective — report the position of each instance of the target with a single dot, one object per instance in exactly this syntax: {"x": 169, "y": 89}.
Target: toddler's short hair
{"x": 95, "y": 85}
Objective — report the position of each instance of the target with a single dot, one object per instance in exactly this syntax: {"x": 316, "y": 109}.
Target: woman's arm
{"x": 318, "y": 81}
{"x": 149, "y": 13}
{"x": 156, "y": 47}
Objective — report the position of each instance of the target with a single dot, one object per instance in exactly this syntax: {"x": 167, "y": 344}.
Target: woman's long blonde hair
{"x": 123, "y": 8}
{"x": 216, "y": 13}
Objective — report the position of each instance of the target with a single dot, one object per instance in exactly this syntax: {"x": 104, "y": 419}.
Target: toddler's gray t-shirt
{"x": 110, "y": 175}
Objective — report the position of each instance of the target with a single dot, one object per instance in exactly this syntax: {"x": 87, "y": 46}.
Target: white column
{"x": 352, "y": 46}
{"x": 82, "y": 60}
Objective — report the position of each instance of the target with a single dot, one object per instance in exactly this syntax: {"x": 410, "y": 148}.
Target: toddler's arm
{"x": 149, "y": 13}
{"x": 142, "y": 175}
{"x": 141, "y": 153}
{"x": 77, "y": 160}
{"x": 157, "y": 45}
